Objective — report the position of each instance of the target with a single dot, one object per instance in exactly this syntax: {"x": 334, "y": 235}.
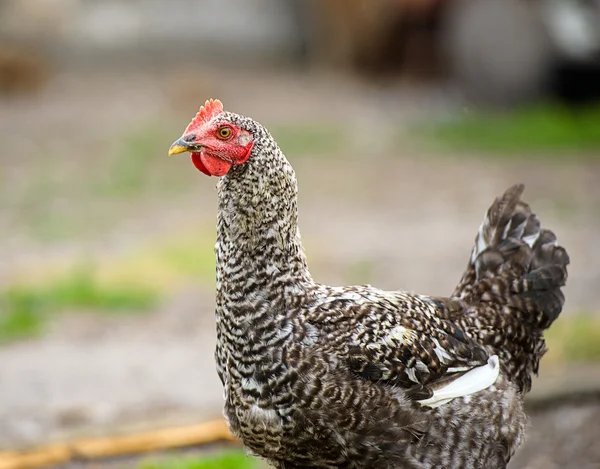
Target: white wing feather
{"x": 471, "y": 382}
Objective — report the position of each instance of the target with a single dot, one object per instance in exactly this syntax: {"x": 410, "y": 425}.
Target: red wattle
{"x": 198, "y": 163}
{"x": 215, "y": 165}
{"x": 210, "y": 165}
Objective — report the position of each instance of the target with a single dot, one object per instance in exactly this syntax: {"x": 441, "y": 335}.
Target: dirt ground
{"x": 392, "y": 214}
{"x": 561, "y": 437}
{"x": 550, "y": 443}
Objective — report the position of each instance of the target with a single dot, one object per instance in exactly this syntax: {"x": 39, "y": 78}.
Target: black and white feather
{"x": 356, "y": 377}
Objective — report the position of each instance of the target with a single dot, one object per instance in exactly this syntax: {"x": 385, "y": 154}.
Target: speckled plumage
{"x": 336, "y": 377}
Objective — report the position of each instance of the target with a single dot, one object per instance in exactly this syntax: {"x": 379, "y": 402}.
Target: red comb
{"x": 211, "y": 108}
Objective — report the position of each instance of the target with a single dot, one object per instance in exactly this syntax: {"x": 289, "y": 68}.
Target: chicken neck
{"x": 259, "y": 252}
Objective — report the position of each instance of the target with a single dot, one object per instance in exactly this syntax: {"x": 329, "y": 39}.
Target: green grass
{"x": 194, "y": 258}
{"x": 230, "y": 460}
{"x": 120, "y": 173}
{"x": 574, "y": 339}
{"x": 544, "y": 128}
{"x": 359, "y": 272}
{"x": 21, "y": 315}
{"x": 24, "y": 308}
{"x": 133, "y": 283}
{"x": 169, "y": 262}
{"x": 140, "y": 163}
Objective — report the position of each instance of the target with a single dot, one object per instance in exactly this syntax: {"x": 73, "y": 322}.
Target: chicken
{"x": 357, "y": 377}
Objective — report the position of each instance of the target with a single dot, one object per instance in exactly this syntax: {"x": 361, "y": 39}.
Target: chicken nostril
{"x": 189, "y": 138}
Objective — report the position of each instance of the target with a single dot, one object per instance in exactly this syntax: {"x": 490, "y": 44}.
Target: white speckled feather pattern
{"x": 356, "y": 377}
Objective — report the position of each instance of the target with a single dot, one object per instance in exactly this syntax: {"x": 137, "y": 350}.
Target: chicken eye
{"x": 224, "y": 132}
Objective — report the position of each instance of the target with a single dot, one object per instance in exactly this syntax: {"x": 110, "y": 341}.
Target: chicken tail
{"x": 513, "y": 283}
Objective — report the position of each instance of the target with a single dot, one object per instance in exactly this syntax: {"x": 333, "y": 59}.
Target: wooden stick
{"x": 47, "y": 456}
{"x": 97, "y": 448}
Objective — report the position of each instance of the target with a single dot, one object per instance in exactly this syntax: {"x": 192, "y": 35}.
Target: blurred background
{"x": 403, "y": 120}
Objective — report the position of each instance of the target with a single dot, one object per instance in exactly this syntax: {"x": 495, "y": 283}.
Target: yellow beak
{"x": 179, "y": 146}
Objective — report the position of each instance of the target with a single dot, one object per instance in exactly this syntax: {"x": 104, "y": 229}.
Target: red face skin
{"x": 221, "y": 146}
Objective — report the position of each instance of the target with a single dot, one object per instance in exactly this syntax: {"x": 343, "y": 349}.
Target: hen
{"x": 356, "y": 377}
